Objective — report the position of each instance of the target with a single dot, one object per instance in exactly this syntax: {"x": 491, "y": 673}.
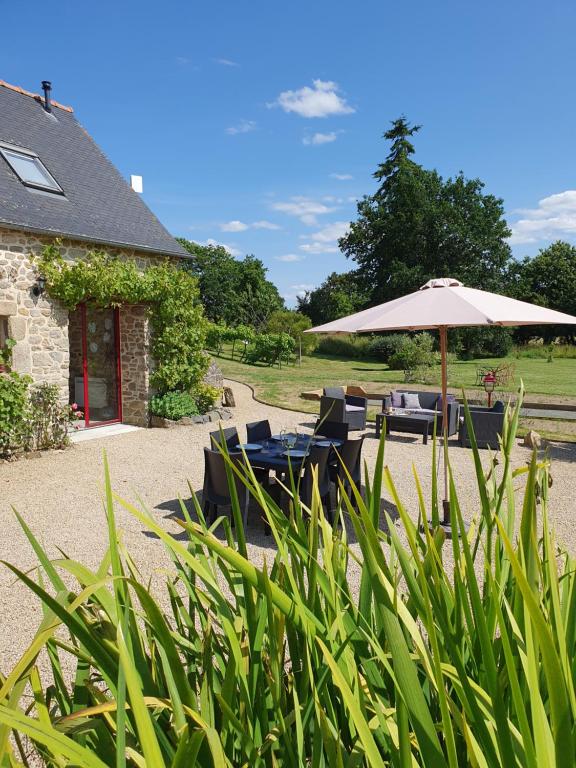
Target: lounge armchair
{"x": 487, "y": 424}
{"x": 336, "y": 405}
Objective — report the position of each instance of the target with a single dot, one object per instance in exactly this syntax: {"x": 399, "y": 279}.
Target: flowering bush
{"x": 32, "y": 419}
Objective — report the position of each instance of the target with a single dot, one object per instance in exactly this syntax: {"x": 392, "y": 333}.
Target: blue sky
{"x": 258, "y": 124}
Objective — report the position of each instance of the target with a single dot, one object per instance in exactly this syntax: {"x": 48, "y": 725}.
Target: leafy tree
{"x": 232, "y": 291}
{"x": 338, "y": 296}
{"x": 258, "y": 297}
{"x": 294, "y": 324}
{"x": 549, "y": 279}
{"x": 418, "y": 226}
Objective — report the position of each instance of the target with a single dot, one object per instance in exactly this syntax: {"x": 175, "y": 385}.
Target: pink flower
{"x": 74, "y": 406}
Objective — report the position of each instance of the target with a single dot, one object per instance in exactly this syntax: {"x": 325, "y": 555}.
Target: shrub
{"x": 425, "y": 663}
{"x": 414, "y": 352}
{"x": 31, "y": 419}
{"x": 14, "y": 404}
{"x": 383, "y": 347}
{"x": 205, "y": 396}
{"x": 293, "y": 323}
{"x": 48, "y": 419}
{"x": 353, "y": 347}
{"x": 215, "y": 335}
{"x": 271, "y": 348}
{"x": 485, "y": 341}
{"x": 173, "y": 405}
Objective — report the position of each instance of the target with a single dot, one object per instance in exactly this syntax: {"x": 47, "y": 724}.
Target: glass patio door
{"x": 101, "y": 363}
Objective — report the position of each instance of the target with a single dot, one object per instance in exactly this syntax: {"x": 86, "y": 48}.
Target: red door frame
{"x": 118, "y": 419}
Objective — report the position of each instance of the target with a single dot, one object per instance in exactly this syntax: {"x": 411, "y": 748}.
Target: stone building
{"x": 55, "y": 182}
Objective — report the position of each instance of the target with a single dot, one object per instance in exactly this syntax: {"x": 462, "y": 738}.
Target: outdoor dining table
{"x": 274, "y": 455}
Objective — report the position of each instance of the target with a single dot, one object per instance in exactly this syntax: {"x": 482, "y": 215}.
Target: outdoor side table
{"x": 413, "y": 423}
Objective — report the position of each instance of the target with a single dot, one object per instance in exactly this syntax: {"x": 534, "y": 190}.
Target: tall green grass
{"x": 292, "y": 664}
{"x": 545, "y": 351}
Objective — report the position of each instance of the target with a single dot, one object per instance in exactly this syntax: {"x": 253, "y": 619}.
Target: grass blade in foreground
{"x": 294, "y": 664}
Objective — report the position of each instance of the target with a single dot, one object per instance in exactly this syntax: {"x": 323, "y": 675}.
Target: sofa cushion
{"x": 335, "y": 392}
{"x": 396, "y": 399}
{"x": 449, "y": 399}
{"x": 410, "y": 401}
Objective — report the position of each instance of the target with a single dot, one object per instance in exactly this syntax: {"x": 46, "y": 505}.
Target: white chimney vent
{"x": 136, "y": 184}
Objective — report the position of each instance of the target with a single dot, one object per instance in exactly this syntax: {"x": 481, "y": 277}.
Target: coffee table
{"x": 413, "y": 423}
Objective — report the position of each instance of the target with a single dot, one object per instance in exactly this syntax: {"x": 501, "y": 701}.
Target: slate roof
{"x": 99, "y": 205}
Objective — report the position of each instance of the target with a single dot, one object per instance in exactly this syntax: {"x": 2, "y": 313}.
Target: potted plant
{"x": 6, "y": 355}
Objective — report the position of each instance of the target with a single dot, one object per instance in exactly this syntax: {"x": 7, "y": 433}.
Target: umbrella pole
{"x": 444, "y": 359}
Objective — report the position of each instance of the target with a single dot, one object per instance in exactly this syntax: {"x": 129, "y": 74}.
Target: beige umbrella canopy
{"x": 445, "y": 303}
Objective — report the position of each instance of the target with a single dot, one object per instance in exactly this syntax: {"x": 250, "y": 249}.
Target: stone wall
{"x": 137, "y": 363}
{"x": 39, "y": 325}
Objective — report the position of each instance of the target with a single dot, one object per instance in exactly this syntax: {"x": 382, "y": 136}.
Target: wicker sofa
{"x": 429, "y": 404}
{"x": 336, "y": 405}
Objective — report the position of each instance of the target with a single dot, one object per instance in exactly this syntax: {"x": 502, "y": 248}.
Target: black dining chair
{"x": 317, "y": 458}
{"x": 216, "y": 492}
{"x": 258, "y": 431}
{"x": 230, "y": 436}
{"x": 335, "y": 429}
{"x": 348, "y": 462}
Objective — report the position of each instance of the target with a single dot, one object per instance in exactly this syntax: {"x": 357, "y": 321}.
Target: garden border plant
{"x": 287, "y": 665}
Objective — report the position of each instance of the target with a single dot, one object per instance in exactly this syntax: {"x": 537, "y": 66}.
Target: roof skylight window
{"x": 30, "y": 169}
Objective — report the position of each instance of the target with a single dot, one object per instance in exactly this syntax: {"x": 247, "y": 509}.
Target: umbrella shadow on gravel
{"x": 562, "y": 452}
{"x": 255, "y": 533}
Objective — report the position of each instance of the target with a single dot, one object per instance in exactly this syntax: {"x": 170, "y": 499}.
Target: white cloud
{"x": 341, "y": 176}
{"x": 554, "y": 217}
{"x": 298, "y": 290}
{"x": 244, "y": 126}
{"x": 234, "y": 226}
{"x": 317, "y": 248}
{"x": 320, "y": 138}
{"x": 231, "y": 250}
{"x": 240, "y": 226}
{"x": 326, "y": 239}
{"x": 319, "y": 101}
{"x": 304, "y": 208}
{"x": 263, "y": 224}
{"x": 227, "y": 62}
{"x": 290, "y": 257}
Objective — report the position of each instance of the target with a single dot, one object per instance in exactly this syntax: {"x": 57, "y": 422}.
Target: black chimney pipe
{"x": 47, "y": 87}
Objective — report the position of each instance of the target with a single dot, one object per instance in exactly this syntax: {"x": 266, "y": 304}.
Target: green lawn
{"x": 283, "y": 385}
{"x": 543, "y": 381}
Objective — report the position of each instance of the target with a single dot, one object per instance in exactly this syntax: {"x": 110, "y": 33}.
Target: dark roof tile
{"x": 99, "y": 205}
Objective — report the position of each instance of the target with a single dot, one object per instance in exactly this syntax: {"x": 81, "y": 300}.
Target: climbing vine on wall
{"x": 177, "y": 317}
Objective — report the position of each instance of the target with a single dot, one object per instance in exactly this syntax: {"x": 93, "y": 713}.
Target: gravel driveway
{"x": 60, "y": 496}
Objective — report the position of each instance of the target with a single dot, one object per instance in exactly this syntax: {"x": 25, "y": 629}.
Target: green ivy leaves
{"x": 176, "y": 315}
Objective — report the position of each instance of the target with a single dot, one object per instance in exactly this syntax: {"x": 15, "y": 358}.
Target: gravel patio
{"x": 60, "y": 496}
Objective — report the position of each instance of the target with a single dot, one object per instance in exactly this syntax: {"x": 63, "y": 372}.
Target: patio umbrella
{"x": 441, "y": 304}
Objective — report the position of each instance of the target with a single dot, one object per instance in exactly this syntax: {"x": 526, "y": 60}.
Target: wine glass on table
{"x": 291, "y": 439}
